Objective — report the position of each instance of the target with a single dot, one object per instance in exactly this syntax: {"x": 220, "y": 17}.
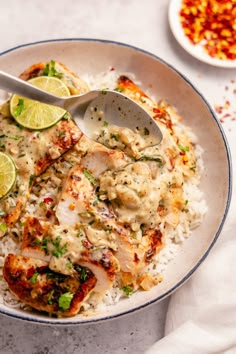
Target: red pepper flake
{"x": 226, "y": 111}
{"x": 47, "y": 200}
{"x": 211, "y": 23}
{"x": 48, "y": 213}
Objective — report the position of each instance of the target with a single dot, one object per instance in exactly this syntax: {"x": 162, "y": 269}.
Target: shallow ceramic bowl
{"x": 94, "y": 56}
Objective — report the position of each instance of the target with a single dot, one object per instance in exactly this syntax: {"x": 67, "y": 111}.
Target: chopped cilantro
{"x": 89, "y": 176}
{"x": 83, "y": 274}
{"x": 50, "y": 70}
{"x": 80, "y": 232}
{"x": 21, "y": 155}
{"x": 33, "y": 279}
{"x": 61, "y": 134}
{"x": 156, "y": 158}
{"x": 115, "y": 137}
{"x": 128, "y": 289}
{"x": 69, "y": 265}
{"x": 16, "y": 137}
{"x": 20, "y": 107}
{"x": 64, "y": 301}
{"x": 119, "y": 89}
{"x": 50, "y": 297}
{"x": 31, "y": 180}
{"x": 59, "y": 250}
{"x": 44, "y": 245}
{"x": 183, "y": 148}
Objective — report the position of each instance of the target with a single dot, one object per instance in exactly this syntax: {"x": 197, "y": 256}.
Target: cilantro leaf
{"x": 59, "y": 250}
{"x": 128, "y": 289}
{"x": 33, "y": 279}
{"x": 50, "y": 70}
{"x": 20, "y": 107}
{"x": 89, "y": 176}
{"x": 64, "y": 301}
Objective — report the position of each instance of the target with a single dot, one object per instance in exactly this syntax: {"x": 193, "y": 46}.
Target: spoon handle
{"x": 13, "y": 84}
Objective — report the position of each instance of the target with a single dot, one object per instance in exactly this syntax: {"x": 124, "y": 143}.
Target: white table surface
{"x": 143, "y": 24}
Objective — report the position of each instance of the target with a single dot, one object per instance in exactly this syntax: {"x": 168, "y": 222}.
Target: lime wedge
{"x": 36, "y": 115}
{"x": 7, "y": 174}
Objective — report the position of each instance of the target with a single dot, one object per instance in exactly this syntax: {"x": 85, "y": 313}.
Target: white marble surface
{"x": 145, "y": 25}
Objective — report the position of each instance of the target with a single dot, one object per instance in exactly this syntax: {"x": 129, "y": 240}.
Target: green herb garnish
{"x": 128, "y": 290}
{"x": 183, "y": 148}
{"x": 119, "y": 89}
{"x": 115, "y": 137}
{"x": 44, "y": 245}
{"x": 19, "y": 108}
{"x": 89, "y": 176}
{"x": 58, "y": 250}
{"x": 31, "y": 180}
{"x": 50, "y": 70}
{"x": 50, "y": 296}
{"x": 64, "y": 301}
{"x": 156, "y": 158}
{"x": 33, "y": 279}
{"x": 16, "y": 137}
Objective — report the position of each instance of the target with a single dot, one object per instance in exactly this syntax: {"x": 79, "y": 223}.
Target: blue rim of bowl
{"x": 189, "y": 274}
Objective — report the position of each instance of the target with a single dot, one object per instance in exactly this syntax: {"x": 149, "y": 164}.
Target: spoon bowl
{"x": 91, "y": 110}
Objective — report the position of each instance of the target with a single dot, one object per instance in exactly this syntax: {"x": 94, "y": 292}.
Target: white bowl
{"x": 94, "y": 56}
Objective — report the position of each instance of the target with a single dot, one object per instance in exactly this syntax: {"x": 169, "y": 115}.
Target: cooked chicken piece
{"x": 166, "y": 117}
{"x": 72, "y": 81}
{"x": 32, "y": 153}
{"x": 159, "y": 113}
{"x": 63, "y": 250}
{"x": 76, "y": 200}
{"x": 34, "y": 240}
{"x": 104, "y": 266}
{"x": 133, "y": 256}
{"x": 76, "y": 205}
{"x": 37, "y": 286}
{"x": 97, "y": 158}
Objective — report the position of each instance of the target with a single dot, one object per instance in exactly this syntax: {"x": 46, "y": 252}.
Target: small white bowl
{"x": 196, "y": 51}
{"x": 95, "y": 56}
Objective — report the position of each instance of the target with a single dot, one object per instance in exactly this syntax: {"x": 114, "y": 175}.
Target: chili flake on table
{"x": 212, "y": 24}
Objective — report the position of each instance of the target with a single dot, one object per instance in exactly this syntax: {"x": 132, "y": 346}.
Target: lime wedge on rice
{"x": 7, "y": 174}
{"x": 36, "y": 115}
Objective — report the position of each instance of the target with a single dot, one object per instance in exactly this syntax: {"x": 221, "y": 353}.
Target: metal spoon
{"x": 92, "y": 109}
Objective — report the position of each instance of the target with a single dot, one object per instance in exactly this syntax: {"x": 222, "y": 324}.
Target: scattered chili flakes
{"x": 212, "y": 24}
{"x": 226, "y": 111}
